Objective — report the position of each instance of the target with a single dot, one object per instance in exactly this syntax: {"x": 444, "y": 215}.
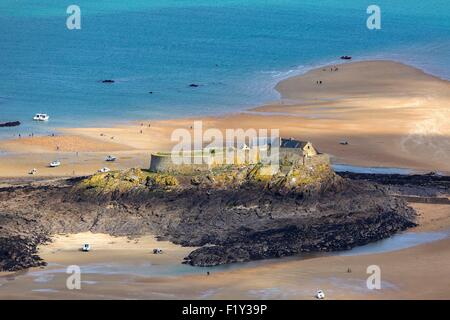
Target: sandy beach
{"x": 392, "y": 115}
{"x": 418, "y": 272}
{"x": 149, "y": 131}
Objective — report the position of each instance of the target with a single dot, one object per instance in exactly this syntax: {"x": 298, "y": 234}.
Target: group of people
{"x": 142, "y": 124}
{"x": 332, "y": 69}
{"x": 31, "y": 135}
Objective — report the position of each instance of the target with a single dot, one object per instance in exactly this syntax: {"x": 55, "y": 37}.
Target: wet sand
{"x": 420, "y": 272}
{"x": 391, "y": 114}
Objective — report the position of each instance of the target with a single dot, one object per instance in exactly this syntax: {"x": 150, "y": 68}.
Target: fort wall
{"x": 288, "y": 157}
{"x": 165, "y": 163}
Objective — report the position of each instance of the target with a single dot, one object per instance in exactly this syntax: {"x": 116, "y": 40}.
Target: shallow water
{"x": 139, "y": 269}
{"x": 373, "y": 170}
{"x": 236, "y": 50}
{"x": 50, "y": 282}
{"x": 397, "y": 242}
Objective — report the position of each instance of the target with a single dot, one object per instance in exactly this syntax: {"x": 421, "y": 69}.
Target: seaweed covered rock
{"x": 306, "y": 180}
{"x": 235, "y": 213}
{"x": 114, "y": 181}
{"x": 19, "y": 252}
{"x": 163, "y": 181}
{"x": 128, "y": 181}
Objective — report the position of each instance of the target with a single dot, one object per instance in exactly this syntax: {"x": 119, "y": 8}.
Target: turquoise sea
{"x": 235, "y": 50}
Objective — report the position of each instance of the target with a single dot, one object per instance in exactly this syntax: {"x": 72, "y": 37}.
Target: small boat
{"x": 41, "y": 117}
{"x": 157, "y": 251}
{"x": 343, "y": 142}
{"x": 86, "y": 247}
{"x": 104, "y": 169}
{"x": 33, "y": 171}
{"x": 110, "y": 158}
{"x": 55, "y": 163}
{"x": 346, "y": 58}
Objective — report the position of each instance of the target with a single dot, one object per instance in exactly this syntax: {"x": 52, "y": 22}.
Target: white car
{"x": 105, "y": 169}
{"x": 55, "y": 164}
{"x": 41, "y": 117}
{"x": 110, "y": 158}
{"x": 320, "y": 295}
{"x": 86, "y": 247}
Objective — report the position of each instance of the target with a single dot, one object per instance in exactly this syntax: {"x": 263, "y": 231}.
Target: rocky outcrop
{"x": 10, "y": 124}
{"x": 19, "y": 252}
{"x": 235, "y": 215}
{"x": 302, "y": 236}
{"x": 431, "y": 186}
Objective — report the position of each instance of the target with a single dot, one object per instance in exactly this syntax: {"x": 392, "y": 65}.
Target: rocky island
{"x": 232, "y": 214}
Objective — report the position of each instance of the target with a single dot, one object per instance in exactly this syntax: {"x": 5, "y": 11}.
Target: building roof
{"x": 293, "y": 144}
{"x": 264, "y": 141}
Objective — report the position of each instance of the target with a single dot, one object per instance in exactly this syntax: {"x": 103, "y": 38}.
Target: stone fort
{"x": 291, "y": 152}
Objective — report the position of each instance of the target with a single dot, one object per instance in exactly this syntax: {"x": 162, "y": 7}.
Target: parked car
{"x": 320, "y": 295}
{"x": 55, "y": 163}
{"x": 110, "y": 158}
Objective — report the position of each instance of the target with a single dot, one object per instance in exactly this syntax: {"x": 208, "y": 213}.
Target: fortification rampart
{"x": 192, "y": 163}
{"x": 165, "y": 163}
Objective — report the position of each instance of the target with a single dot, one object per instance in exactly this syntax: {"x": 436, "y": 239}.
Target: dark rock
{"x": 239, "y": 222}
{"x": 18, "y": 253}
{"x": 303, "y": 237}
{"x": 414, "y": 185}
{"x": 10, "y": 124}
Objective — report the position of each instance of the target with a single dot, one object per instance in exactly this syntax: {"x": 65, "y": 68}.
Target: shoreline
{"x": 392, "y": 115}
{"x": 298, "y": 71}
{"x": 297, "y": 278}
{"x": 125, "y": 268}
